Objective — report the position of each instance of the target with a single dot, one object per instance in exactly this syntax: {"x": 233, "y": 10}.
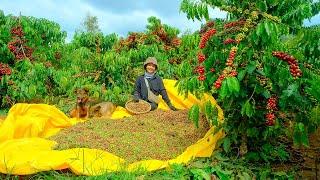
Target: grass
{"x": 201, "y": 168}
{"x": 3, "y": 112}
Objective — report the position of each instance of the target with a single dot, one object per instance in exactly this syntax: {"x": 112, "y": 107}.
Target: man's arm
{"x": 165, "y": 96}
{"x": 137, "y": 89}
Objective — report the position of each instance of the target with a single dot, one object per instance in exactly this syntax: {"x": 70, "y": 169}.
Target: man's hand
{"x": 173, "y": 108}
{"x": 135, "y": 100}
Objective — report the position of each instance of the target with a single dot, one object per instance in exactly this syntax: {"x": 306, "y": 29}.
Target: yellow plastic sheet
{"x": 24, "y": 148}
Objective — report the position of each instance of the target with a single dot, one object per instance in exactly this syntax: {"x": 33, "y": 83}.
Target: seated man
{"x": 150, "y": 85}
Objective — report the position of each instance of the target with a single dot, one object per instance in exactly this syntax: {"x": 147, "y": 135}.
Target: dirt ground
{"x": 310, "y": 158}
{"x": 156, "y": 135}
{"x": 2, "y": 118}
{"x": 305, "y": 161}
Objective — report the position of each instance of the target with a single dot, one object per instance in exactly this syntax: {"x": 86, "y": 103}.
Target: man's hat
{"x": 150, "y": 60}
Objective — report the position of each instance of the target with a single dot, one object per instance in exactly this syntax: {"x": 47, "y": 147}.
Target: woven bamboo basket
{"x": 134, "y": 111}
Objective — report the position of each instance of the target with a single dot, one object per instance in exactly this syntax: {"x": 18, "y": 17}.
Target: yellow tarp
{"x": 24, "y": 148}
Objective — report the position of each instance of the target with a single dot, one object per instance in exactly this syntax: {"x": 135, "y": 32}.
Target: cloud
{"x": 123, "y": 23}
{"x": 113, "y": 17}
{"x": 118, "y": 17}
{"x": 66, "y": 15}
{"x": 164, "y": 8}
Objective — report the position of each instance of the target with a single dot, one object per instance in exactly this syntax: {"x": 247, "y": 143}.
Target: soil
{"x": 305, "y": 161}
{"x": 310, "y": 157}
{"x": 2, "y": 118}
{"x": 155, "y": 135}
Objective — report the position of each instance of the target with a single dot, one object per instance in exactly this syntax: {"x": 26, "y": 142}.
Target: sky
{"x": 114, "y": 16}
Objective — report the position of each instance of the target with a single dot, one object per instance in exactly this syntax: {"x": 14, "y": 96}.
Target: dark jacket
{"x": 156, "y": 86}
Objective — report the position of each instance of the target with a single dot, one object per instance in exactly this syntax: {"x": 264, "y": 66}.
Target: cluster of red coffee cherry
{"x": 201, "y": 57}
{"x": 4, "y": 70}
{"x": 203, "y": 42}
{"x": 271, "y": 107}
{"x": 205, "y": 37}
{"x": 207, "y": 26}
{"x": 200, "y": 70}
{"x": 229, "y": 41}
{"x": 17, "y": 45}
{"x": 219, "y": 81}
{"x": 234, "y": 24}
{"x": 232, "y": 55}
{"x": 294, "y": 67}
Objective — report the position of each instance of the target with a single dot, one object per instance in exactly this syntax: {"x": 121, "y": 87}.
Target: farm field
{"x": 260, "y": 65}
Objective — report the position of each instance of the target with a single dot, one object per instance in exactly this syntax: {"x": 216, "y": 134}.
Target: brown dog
{"x": 82, "y": 109}
{"x": 102, "y": 110}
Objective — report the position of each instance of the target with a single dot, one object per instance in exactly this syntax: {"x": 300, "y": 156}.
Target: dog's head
{"x": 82, "y": 96}
{"x": 104, "y": 109}
{"x": 95, "y": 111}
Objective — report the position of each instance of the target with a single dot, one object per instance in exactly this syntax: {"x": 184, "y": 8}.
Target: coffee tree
{"x": 29, "y": 47}
{"x": 37, "y": 64}
{"x": 266, "y": 83}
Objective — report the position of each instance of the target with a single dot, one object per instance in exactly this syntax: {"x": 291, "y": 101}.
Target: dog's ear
{"x": 86, "y": 89}
{"x": 97, "y": 108}
{"x": 75, "y": 90}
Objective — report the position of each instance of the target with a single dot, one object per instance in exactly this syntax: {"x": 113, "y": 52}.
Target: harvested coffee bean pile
{"x": 155, "y": 135}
